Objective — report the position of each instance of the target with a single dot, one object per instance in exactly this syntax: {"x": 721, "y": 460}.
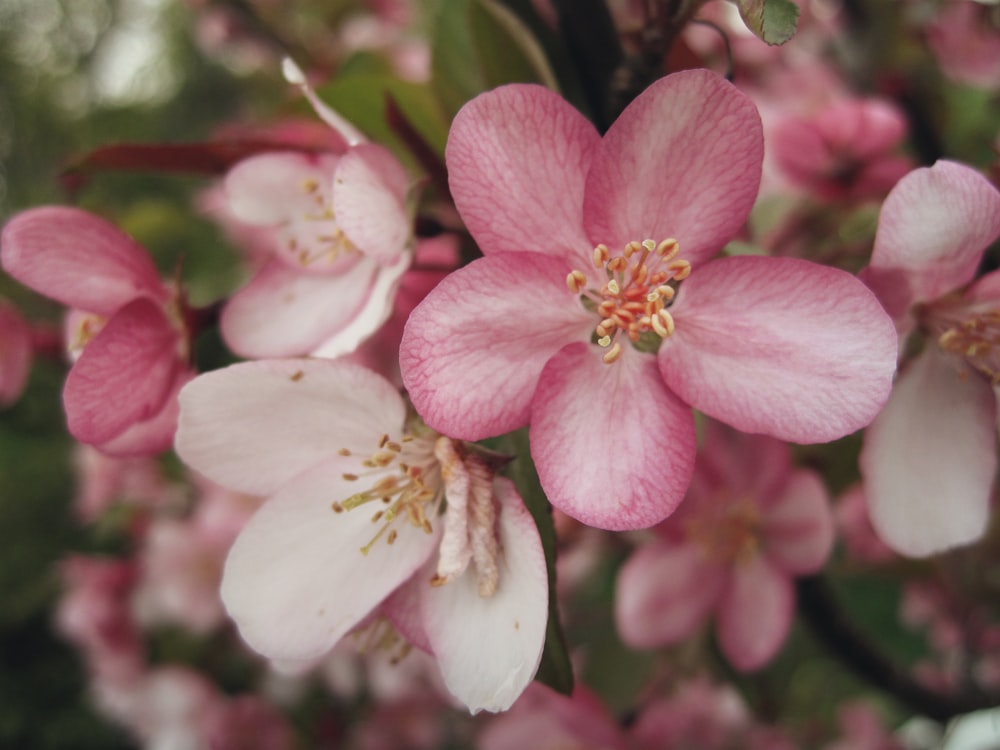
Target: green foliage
{"x": 773, "y": 21}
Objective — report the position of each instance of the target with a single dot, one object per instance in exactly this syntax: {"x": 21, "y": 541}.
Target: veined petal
{"x": 473, "y": 350}
{"x": 781, "y": 346}
{"x": 798, "y": 525}
{"x": 929, "y": 459}
{"x": 155, "y": 434}
{"x": 755, "y": 613}
{"x": 369, "y": 198}
{"x": 614, "y": 448}
{"x": 123, "y": 375}
{"x": 269, "y": 188}
{"x": 489, "y": 648}
{"x": 255, "y": 425}
{"x": 78, "y": 259}
{"x": 283, "y": 312}
{"x": 683, "y": 160}
{"x": 934, "y": 225}
{"x": 296, "y": 580}
{"x": 664, "y": 593}
{"x": 517, "y": 159}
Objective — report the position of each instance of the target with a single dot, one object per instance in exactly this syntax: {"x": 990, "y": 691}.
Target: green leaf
{"x": 774, "y": 21}
{"x": 555, "y": 669}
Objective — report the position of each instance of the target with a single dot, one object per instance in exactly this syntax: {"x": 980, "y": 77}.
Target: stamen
{"x": 576, "y": 281}
{"x": 601, "y": 256}
{"x": 612, "y": 354}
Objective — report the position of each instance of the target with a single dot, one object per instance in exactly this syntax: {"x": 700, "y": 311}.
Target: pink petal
{"x": 369, "y": 198}
{"x": 489, "y": 648}
{"x": 283, "y": 312}
{"x": 781, "y": 346}
{"x": 296, "y": 580}
{"x": 78, "y": 259}
{"x": 935, "y": 225}
{"x": 155, "y": 434}
{"x": 124, "y": 374}
{"x": 268, "y": 189}
{"x": 473, "y": 350}
{"x": 255, "y": 425}
{"x": 664, "y": 593}
{"x": 683, "y": 160}
{"x": 755, "y": 614}
{"x": 798, "y": 526}
{"x": 15, "y": 353}
{"x": 613, "y": 447}
{"x": 929, "y": 459}
{"x": 517, "y": 159}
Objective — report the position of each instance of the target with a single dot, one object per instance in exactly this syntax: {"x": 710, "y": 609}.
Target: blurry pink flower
{"x": 605, "y": 352}
{"x": 102, "y": 481}
{"x": 362, "y": 496}
{"x": 15, "y": 353}
{"x": 965, "y": 40}
{"x": 862, "y": 728}
{"x": 855, "y": 528}
{"x": 929, "y": 459}
{"x": 244, "y": 722}
{"x": 127, "y": 326}
{"x": 844, "y": 151}
{"x": 749, "y": 525}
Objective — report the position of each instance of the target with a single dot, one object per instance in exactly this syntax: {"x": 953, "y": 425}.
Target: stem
{"x": 841, "y": 637}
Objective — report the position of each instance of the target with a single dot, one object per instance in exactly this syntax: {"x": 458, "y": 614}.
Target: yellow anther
{"x": 668, "y": 248}
{"x": 612, "y": 354}
{"x": 632, "y": 248}
{"x": 604, "y": 341}
{"x": 668, "y": 321}
{"x": 613, "y": 287}
{"x": 337, "y": 507}
{"x": 601, "y": 256}
{"x": 681, "y": 269}
{"x": 649, "y": 245}
{"x": 576, "y": 281}
{"x": 350, "y": 477}
{"x": 665, "y": 292}
{"x": 617, "y": 264}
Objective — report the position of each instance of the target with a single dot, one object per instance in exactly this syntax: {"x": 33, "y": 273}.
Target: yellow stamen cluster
{"x": 328, "y": 244}
{"x": 402, "y": 488}
{"x": 977, "y": 339}
{"x": 637, "y": 292}
{"x": 728, "y": 531}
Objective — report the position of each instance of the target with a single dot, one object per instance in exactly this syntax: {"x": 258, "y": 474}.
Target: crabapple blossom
{"x": 597, "y": 316}
{"x": 126, "y": 330}
{"x": 929, "y": 458}
{"x": 361, "y": 497}
{"x": 750, "y": 523}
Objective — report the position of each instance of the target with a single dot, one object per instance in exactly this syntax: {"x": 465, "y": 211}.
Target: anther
{"x": 632, "y": 248}
{"x": 344, "y": 452}
{"x": 337, "y": 507}
{"x": 668, "y": 248}
{"x": 612, "y": 354}
{"x": 681, "y": 269}
{"x": 649, "y": 245}
{"x": 613, "y": 287}
{"x": 576, "y": 281}
{"x": 604, "y": 341}
{"x": 601, "y": 256}
{"x": 668, "y": 321}
{"x": 350, "y": 477}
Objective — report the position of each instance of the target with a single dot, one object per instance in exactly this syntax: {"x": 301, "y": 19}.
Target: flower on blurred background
{"x": 603, "y": 351}
{"x": 361, "y": 497}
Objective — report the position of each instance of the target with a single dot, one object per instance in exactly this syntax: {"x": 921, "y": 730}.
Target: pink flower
{"x": 965, "y": 40}
{"x": 604, "y": 351}
{"x": 127, "y": 327}
{"x": 929, "y": 459}
{"x": 749, "y": 525}
{"x": 356, "y": 510}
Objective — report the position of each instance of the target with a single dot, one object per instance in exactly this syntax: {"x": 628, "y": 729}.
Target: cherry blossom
{"x": 361, "y": 497}
{"x": 125, "y": 332}
{"x": 749, "y": 525}
{"x": 929, "y": 459}
{"x": 597, "y": 317}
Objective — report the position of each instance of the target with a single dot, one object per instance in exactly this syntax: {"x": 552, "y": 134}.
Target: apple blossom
{"x": 750, "y": 523}
{"x": 126, "y": 329}
{"x": 597, "y": 317}
{"x": 929, "y": 459}
{"x": 361, "y": 497}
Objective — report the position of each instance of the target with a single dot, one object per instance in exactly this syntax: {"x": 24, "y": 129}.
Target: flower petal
{"x": 78, "y": 259}
{"x": 664, "y": 593}
{"x": 124, "y": 374}
{"x": 935, "y": 225}
{"x": 473, "y": 350}
{"x": 296, "y": 580}
{"x": 781, "y": 346}
{"x": 255, "y": 425}
{"x": 755, "y": 614}
{"x": 929, "y": 458}
{"x": 798, "y": 526}
{"x": 268, "y": 189}
{"x": 517, "y": 158}
{"x": 283, "y": 312}
{"x": 15, "y": 353}
{"x": 369, "y": 198}
{"x": 489, "y": 648}
{"x": 683, "y": 160}
{"x": 155, "y": 434}
{"x": 613, "y": 447}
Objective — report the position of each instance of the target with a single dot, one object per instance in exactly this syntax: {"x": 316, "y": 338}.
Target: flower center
{"x": 973, "y": 333}
{"x": 312, "y": 235}
{"x": 727, "y": 531}
{"x": 406, "y": 482}
{"x": 641, "y": 283}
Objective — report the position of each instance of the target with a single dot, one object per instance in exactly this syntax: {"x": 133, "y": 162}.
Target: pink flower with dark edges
{"x": 341, "y": 236}
{"x": 126, "y": 326}
{"x": 749, "y": 525}
{"x": 597, "y": 317}
{"x": 362, "y": 498}
{"x": 929, "y": 458}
